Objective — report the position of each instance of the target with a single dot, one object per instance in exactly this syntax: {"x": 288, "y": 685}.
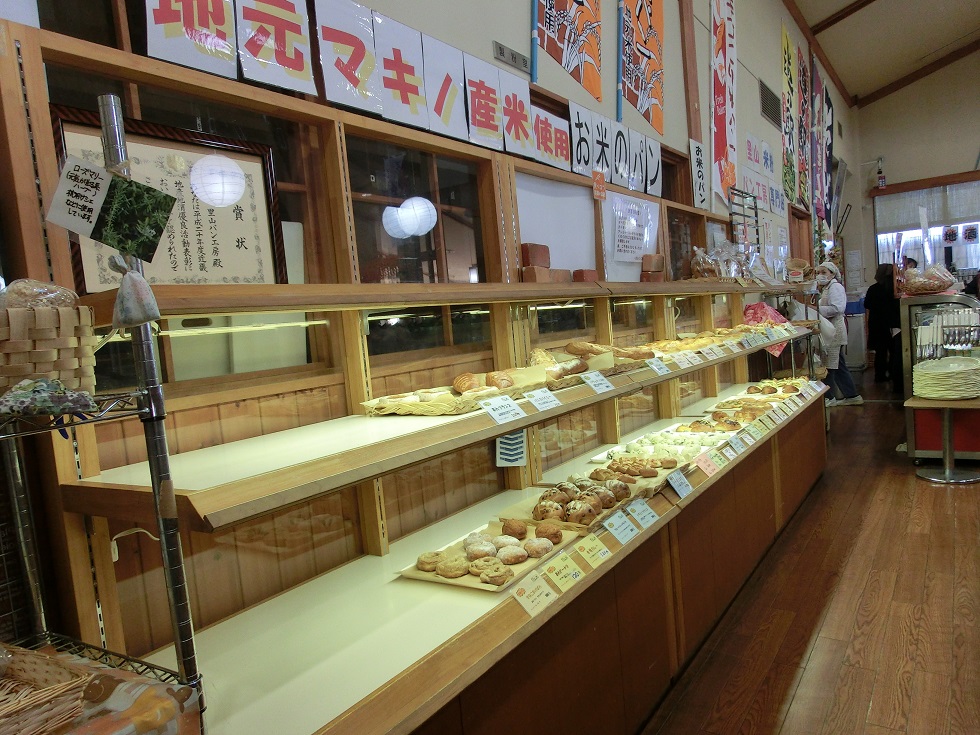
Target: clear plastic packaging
{"x": 935, "y": 279}
{"x": 26, "y": 293}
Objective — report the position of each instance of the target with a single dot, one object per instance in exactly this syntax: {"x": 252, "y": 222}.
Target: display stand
{"x": 745, "y": 217}
{"x": 948, "y": 475}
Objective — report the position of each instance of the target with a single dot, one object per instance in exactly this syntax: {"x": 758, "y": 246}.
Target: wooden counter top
{"x": 916, "y": 402}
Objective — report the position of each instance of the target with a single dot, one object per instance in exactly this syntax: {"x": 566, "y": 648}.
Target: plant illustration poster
{"x": 642, "y": 49}
{"x": 570, "y": 32}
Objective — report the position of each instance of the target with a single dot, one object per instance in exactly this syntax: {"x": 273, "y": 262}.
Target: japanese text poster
{"x": 620, "y": 147}
{"x": 803, "y": 128}
{"x": 569, "y": 31}
{"x": 638, "y": 161}
{"x": 699, "y": 175}
{"x": 816, "y": 144}
{"x": 723, "y": 66}
{"x": 483, "y": 102}
{"x": 398, "y": 50}
{"x": 444, "y": 88}
{"x": 602, "y": 153}
{"x": 518, "y": 127}
{"x": 643, "y": 59}
{"x": 351, "y": 74}
{"x": 789, "y": 117}
{"x": 654, "y": 178}
{"x": 274, "y": 43}
{"x": 581, "y": 127}
{"x": 552, "y": 139}
{"x": 753, "y": 152}
{"x": 195, "y": 34}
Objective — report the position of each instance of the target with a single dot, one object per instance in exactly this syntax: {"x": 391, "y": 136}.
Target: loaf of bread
{"x": 586, "y": 349}
{"x": 548, "y": 509}
{"x": 517, "y": 529}
{"x": 499, "y": 379}
{"x": 465, "y": 382}
{"x": 541, "y": 357}
{"x": 564, "y": 369}
{"x": 579, "y": 511}
{"x": 550, "y": 531}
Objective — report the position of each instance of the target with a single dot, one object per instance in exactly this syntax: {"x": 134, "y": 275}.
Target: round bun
{"x": 589, "y": 496}
{"x": 497, "y": 575}
{"x": 478, "y": 566}
{"x": 555, "y": 495}
{"x": 512, "y": 555}
{"x": 548, "y": 509}
{"x": 769, "y": 390}
{"x": 579, "y": 511}
{"x": 583, "y": 483}
{"x": 504, "y": 540}
{"x": 453, "y": 567}
{"x": 428, "y": 561}
{"x": 549, "y": 531}
{"x": 753, "y": 389}
{"x": 538, "y": 547}
{"x": 606, "y": 496}
{"x": 480, "y": 550}
{"x": 517, "y": 529}
{"x": 619, "y": 488}
{"x": 476, "y": 538}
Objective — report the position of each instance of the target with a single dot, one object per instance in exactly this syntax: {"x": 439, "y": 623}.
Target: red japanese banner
{"x": 569, "y": 31}
{"x": 643, "y": 59}
{"x": 274, "y": 43}
{"x": 723, "y": 66}
{"x": 195, "y": 33}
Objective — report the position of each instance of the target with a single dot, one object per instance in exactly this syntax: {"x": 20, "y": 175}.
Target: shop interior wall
{"x": 927, "y": 129}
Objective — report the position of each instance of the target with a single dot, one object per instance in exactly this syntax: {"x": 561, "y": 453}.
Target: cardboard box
{"x": 533, "y": 254}
{"x": 536, "y": 274}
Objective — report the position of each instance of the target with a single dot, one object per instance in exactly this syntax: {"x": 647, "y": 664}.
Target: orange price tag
{"x": 598, "y": 185}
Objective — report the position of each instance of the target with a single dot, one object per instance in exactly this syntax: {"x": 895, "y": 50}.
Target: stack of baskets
{"x": 56, "y": 343}
{"x": 39, "y": 694}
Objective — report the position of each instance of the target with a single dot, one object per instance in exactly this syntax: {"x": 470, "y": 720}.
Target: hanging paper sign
{"x": 971, "y": 234}
{"x": 598, "y": 186}
{"x": 723, "y": 65}
{"x": 768, "y": 162}
{"x": 274, "y": 44}
{"x": 592, "y": 550}
{"x": 642, "y": 54}
{"x": 399, "y": 52}
{"x": 634, "y": 228}
{"x": 828, "y": 142}
{"x": 699, "y": 181}
{"x": 803, "y": 130}
{"x": 351, "y": 74}
{"x": 518, "y": 122}
{"x": 777, "y": 199}
{"x": 602, "y": 144}
{"x": 542, "y": 399}
{"x": 198, "y": 35}
{"x": 484, "y": 103}
{"x": 552, "y": 142}
{"x": 569, "y": 32}
{"x": 816, "y": 143}
{"x": 620, "y": 138}
{"x": 758, "y": 186}
{"x": 442, "y": 67}
{"x": 789, "y": 117}
{"x": 638, "y": 161}
{"x": 654, "y": 185}
{"x": 753, "y": 152}
{"x": 582, "y": 138}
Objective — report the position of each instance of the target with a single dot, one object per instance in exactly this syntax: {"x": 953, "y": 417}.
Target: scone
{"x": 512, "y": 555}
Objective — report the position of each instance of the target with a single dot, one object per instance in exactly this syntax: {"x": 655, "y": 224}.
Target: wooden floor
{"x": 865, "y": 615}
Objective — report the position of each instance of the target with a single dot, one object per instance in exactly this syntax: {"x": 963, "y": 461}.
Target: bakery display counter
{"x": 362, "y": 649}
{"x": 226, "y": 484}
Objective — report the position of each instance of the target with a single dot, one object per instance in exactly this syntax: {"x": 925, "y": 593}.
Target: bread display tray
{"x": 446, "y": 402}
{"x": 473, "y": 582}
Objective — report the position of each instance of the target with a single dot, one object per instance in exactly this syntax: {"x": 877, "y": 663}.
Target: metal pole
{"x": 152, "y": 416}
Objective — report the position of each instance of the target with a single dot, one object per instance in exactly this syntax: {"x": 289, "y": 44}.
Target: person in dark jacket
{"x": 883, "y": 317}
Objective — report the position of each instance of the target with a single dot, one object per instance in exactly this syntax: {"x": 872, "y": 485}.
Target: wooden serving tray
{"x": 473, "y": 582}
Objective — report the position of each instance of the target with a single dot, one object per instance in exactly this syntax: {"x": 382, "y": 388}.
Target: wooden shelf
{"x": 250, "y": 298}
{"x": 226, "y": 484}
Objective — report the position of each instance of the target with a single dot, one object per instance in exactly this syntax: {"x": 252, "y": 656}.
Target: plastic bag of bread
{"x": 701, "y": 265}
{"x": 935, "y": 279}
{"x": 26, "y": 293}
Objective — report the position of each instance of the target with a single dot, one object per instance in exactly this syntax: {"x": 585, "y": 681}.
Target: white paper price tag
{"x": 771, "y": 333}
{"x": 621, "y": 527}
{"x": 747, "y": 437}
{"x": 815, "y": 386}
{"x": 542, "y": 399}
{"x": 747, "y": 341}
{"x": 502, "y": 409}
{"x": 781, "y": 410}
{"x": 693, "y": 358}
{"x": 806, "y": 390}
{"x": 737, "y": 444}
{"x": 729, "y": 452}
{"x": 658, "y": 366}
{"x": 733, "y": 345}
{"x": 534, "y": 593}
{"x": 719, "y": 352}
{"x": 563, "y": 571}
{"x": 775, "y": 417}
{"x": 795, "y": 401}
{"x": 597, "y": 381}
{"x": 642, "y": 512}
{"x": 758, "y": 428}
{"x": 681, "y": 359}
{"x": 682, "y": 486}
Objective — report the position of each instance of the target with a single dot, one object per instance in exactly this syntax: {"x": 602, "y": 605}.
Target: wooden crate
{"x": 55, "y": 343}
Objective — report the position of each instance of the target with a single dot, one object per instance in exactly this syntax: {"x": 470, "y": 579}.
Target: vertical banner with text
{"x": 723, "y": 65}
{"x": 789, "y": 117}
{"x": 699, "y": 176}
{"x": 198, "y": 35}
{"x": 816, "y": 143}
{"x": 569, "y": 31}
{"x": 803, "y": 128}
{"x": 643, "y": 59}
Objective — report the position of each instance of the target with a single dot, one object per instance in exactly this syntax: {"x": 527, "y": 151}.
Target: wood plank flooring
{"x": 863, "y": 618}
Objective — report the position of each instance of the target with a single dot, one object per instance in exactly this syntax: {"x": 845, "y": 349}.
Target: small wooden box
{"x": 56, "y": 343}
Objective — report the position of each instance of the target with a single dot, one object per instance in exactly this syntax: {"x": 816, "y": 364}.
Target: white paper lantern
{"x": 217, "y": 180}
{"x": 391, "y": 220}
{"x": 418, "y": 215}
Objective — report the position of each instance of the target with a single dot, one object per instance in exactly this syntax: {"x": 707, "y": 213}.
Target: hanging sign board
{"x": 274, "y": 44}
{"x": 399, "y": 52}
{"x": 201, "y": 36}
{"x": 351, "y": 74}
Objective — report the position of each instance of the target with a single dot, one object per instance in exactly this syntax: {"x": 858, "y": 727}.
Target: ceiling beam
{"x": 818, "y": 50}
{"x": 839, "y": 16}
{"x": 918, "y": 74}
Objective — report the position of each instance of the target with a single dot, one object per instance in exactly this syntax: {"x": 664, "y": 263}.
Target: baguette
{"x": 566, "y": 368}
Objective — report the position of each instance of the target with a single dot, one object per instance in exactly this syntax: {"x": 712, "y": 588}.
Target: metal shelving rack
{"x": 745, "y": 216}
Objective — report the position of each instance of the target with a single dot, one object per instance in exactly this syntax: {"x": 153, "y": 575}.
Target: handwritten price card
{"x": 563, "y": 571}
{"x": 597, "y": 381}
{"x": 502, "y": 409}
{"x": 682, "y": 486}
{"x": 658, "y": 366}
{"x": 593, "y": 550}
{"x": 621, "y": 527}
{"x": 542, "y": 399}
{"x": 534, "y": 593}
{"x": 642, "y": 513}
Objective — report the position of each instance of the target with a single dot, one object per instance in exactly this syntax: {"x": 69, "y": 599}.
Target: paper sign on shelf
{"x": 542, "y": 399}
{"x": 445, "y": 91}
{"x": 718, "y": 458}
{"x": 484, "y": 102}
{"x": 518, "y": 119}
{"x": 597, "y": 381}
{"x": 502, "y": 409}
{"x": 642, "y": 513}
{"x": 729, "y": 452}
{"x": 737, "y": 444}
{"x": 534, "y": 593}
{"x": 706, "y": 464}
{"x": 598, "y": 186}
{"x": 781, "y": 411}
{"x": 682, "y": 486}
{"x": 747, "y": 437}
{"x": 772, "y": 418}
{"x": 657, "y": 365}
{"x": 621, "y": 527}
{"x": 580, "y": 120}
{"x": 733, "y": 345}
{"x": 816, "y": 386}
{"x": 756, "y": 429}
{"x": 592, "y": 550}
{"x": 693, "y": 358}
{"x": 351, "y": 72}
{"x": 563, "y": 571}
{"x": 274, "y": 43}
{"x": 680, "y": 360}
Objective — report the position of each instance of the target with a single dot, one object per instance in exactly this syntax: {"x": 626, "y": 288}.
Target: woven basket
{"x": 39, "y": 694}
{"x": 48, "y": 343}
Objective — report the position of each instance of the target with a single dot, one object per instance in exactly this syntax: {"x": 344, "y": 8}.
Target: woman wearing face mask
{"x": 833, "y": 300}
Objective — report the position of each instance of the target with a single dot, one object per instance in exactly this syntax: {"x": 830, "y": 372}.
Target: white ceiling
{"x": 886, "y": 40}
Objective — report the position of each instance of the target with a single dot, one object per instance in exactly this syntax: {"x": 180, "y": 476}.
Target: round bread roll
{"x": 619, "y": 488}
{"x": 579, "y": 511}
{"x": 590, "y": 496}
{"x": 476, "y": 538}
{"x": 497, "y": 575}
{"x": 583, "y": 483}
{"x": 465, "y": 382}
{"x": 555, "y": 495}
{"x": 607, "y": 496}
{"x": 505, "y": 540}
{"x": 517, "y": 529}
{"x": 769, "y": 390}
{"x": 753, "y": 389}
{"x": 565, "y": 486}
{"x": 718, "y": 415}
{"x": 668, "y": 463}
{"x": 790, "y": 388}
{"x": 728, "y": 424}
{"x": 512, "y": 555}
{"x": 549, "y": 531}
{"x": 499, "y": 379}
{"x": 480, "y": 550}
{"x": 548, "y": 509}
{"x": 453, "y": 567}
{"x": 428, "y": 561}
{"x": 538, "y": 547}
{"x": 478, "y": 566}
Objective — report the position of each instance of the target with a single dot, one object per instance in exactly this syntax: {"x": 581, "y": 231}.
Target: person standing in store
{"x": 833, "y": 301}
{"x": 884, "y": 316}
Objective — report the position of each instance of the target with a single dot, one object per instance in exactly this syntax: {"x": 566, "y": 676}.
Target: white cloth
{"x": 833, "y": 302}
